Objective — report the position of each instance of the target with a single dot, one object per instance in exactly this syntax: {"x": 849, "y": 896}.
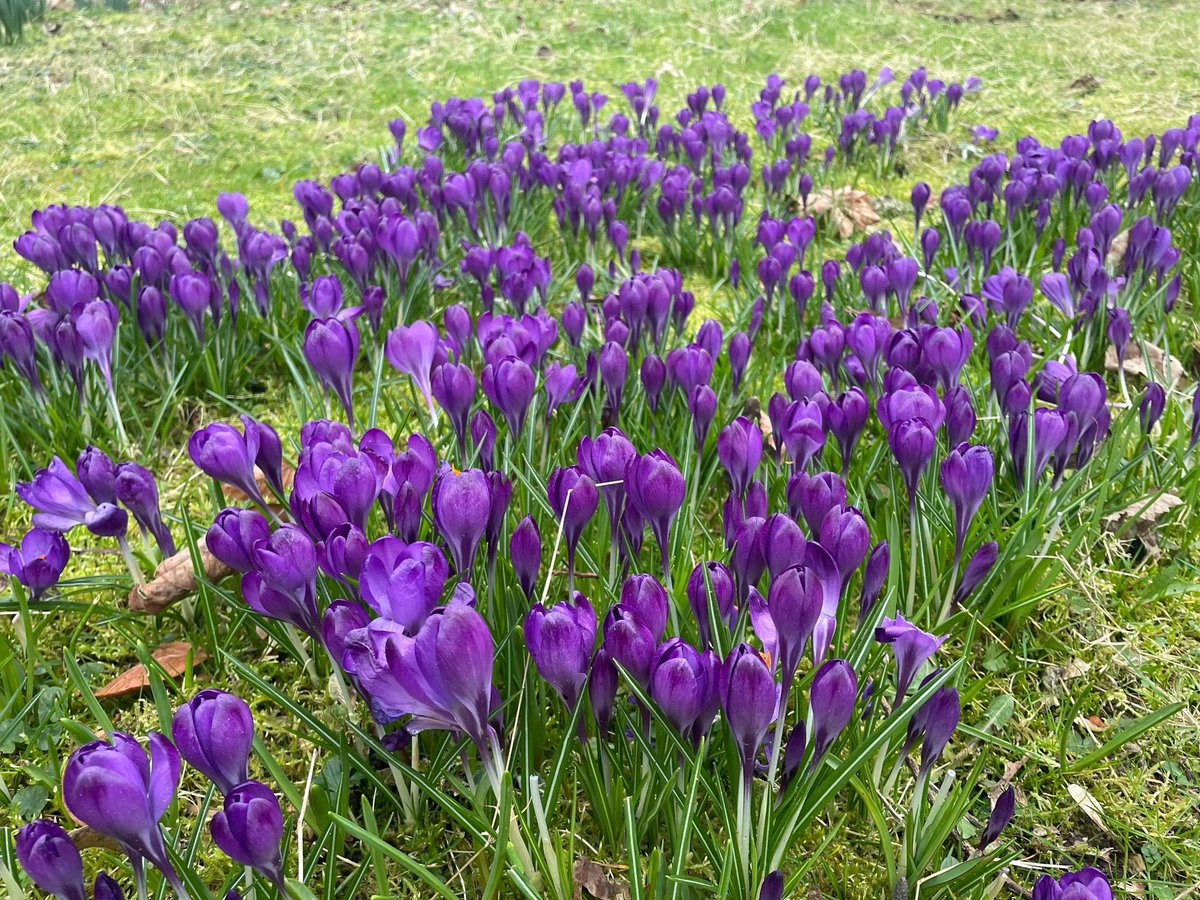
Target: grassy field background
{"x": 158, "y": 111}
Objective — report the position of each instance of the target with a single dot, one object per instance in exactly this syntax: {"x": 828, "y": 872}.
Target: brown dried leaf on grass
{"x": 848, "y": 209}
{"x": 173, "y": 579}
{"x": 172, "y": 657}
{"x": 1152, "y": 365}
{"x": 1141, "y": 520}
{"x": 595, "y": 882}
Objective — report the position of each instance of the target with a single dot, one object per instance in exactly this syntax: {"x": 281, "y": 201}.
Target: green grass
{"x": 159, "y": 111}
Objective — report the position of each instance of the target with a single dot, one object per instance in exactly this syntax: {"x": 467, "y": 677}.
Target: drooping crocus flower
{"x": 573, "y": 498}
{"x": 114, "y": 789}
{"x": 655, "y": 487}
{"x": 461, "y": 504}
{"x": 1087, "y": 884}
{"x": 51, "y": 859}
{"x": 1000, "y": 816}
{"x": 683, "y": 685}
{"x": 403, "y": 582}
{"x": 214, "y": 732}
{"x": 911, "y": 647}
{"x": 749, "y": 697}
{"x": 410, "y": 349}
{"x": 62, "y": 503}
{"x": 966, "y": 477}
{"x": 977, "y": 569}
{"x": 331, "y": 348}
{"x": 221, "y": 452}
{"x": 249, "y": 828}
{"x": 525, "y": 553}
{"x": 831, "y": 699}
{"x": 560, "y": 640}
{"x": 137, "y": 489}
{"x": 38, "y": 561}
{"x": 934, "y": 723}
{"x": 269, "y": 457}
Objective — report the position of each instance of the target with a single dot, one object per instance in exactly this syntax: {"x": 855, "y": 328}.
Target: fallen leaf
{"x": 86, "y": 838}
{"x": 1086, "y": 83}
{"x": 1140, "y": 520}
{"x": 1088, "y": 804}
{"x": 172, "y": 657}
{"x": 594, "y": 881}
{"x": 260, "y": 481}
{"x": 848, "y": 209}
{"x": 1151, "y": 365}
{"x": 174, "y": 578}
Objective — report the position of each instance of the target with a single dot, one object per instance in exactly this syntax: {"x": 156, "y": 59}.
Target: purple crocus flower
{"x": 605, "y": 458}
{"x": 114, "y": 789}
{"x": 61, "y": 503}
{"x": 999, "y": 817}
{"x": 509, "y": 383}
{"x": 874, "y": 575}
{"x": 683, "y": 685}
{"x": 560, "y": 640}
{"x": 38, "y": 561}
{"x": 403, "y": 582}
{"x": 934, "y": 723}
{"x": 331, "y": 348}
{"x": 233, "y": 535}
{"x": 461, "y": 505}
{"x": 976, "y": 570}
{"x": 772, "y": 887}
{"x": 1087, "y": 884}
{"x": 831, "y": 699}
{"x": 573, "y": 497}
{"x": 214, "y": 732}
{"x": 715, "y": 580}
{"x": 1150, "y": 409}
{"x": 282, "y": 583}
{"x": 602, "y": 689}
{"x": 749, "y": 697}
{"x": 739, "y": 448}
{"x": 629, "y": 641}
{"x": 912, "y": 442}
{"x": 221, "y": 452}
{"x": 249, "y": 828}
{"x": 410, "y": 349}
{"x": 911, "y": 647}
{"x": 51, "y": 859}
{"x": 98, "y": 474}
{"x": 813, "y": 496}
{"x": 966, "y": 477}
{"x": 655, "y": 488}
{"x": 793, "y": 605}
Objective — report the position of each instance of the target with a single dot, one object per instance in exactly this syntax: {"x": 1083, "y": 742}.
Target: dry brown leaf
{"x": 173, "y": 579}
{"x": 86, "y": 838}
{"x": 1146, "y": 517}
{"x": 594, "y": 881}
{"x": 1116, "y": 251}
{"x": 848, "y": 209}
{"x": 1088, "y": 804}
{"x": 1152, "y": 366}
{"x": 260, "y": 480}
{"x": 172, "y": 657}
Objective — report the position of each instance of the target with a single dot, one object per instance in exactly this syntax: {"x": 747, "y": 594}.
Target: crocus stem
{"x": 773, "y": 770}
{"x": 743, "y": 827}
{"x": 948, "y": 603}
{"x": 27, "y": 635}
{"x": 913, "y": 555}
{"x": 135, "y": 571}
{"x": 494, "y": 765}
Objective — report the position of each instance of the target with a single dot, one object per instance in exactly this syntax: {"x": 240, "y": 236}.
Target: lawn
{"x": 159, "y": 111}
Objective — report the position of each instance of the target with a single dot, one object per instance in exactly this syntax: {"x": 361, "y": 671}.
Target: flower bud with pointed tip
{"x": 214, "y": 732}
{"x": 1000, "y": 816}
{"x": 831, "y": 699}
{"x": 51, "y": 859}
{"x": 525, "y": 554}
{"x": 249, "y": 828}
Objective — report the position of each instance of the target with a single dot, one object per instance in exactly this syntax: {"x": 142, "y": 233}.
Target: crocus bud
{"x": 1154, "y": 401}
{"x": 813, "y": 496}
{"x": 38, "y": 561}
{"x": 51, "y": 859}
{"x": 602, "y": 689}
{"x": 966, "y": 477}
{"x": 683, "y": 685}
{"x": 1120, "y": 329}
{"x": 977, "y": 569}
{"x": 560, "y": 640}
{"x": 874, "y": 576}
{"x": 831, "y": 699}
{"x": 525, "y": 553}
{"x": 214, "y": 732}
{"x": 845, "y": 536}
{"x": 403, "y": 582}
{"x": 97, "y": 473}
{"x": 647, "y": 599}
{"x": 331, "y": 348}
{"x": 911, "y": 442}
{"x": 934, "y": 722}
{"x": 702, "y": 406}
{"x": 1000, "y": 816}
{"x": 654, "y": 376}
{"x": 248, "y": 830}
{"x": 106, "y": 888}
{"x": 629, "y": 641}
{"x": 269, "y": 458}
{"x": 461, "y": 505}
{"x": 233, "y": 534}
{"x": 794, "y": 602}
{"x": 739, "y": 448}
{"x": 573, "y": 498}
{"x": 715, "y": 580}
{"x": 783, "y": 543}
{"x": 509, "y": 383}
{"x": 655, "y": 487}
